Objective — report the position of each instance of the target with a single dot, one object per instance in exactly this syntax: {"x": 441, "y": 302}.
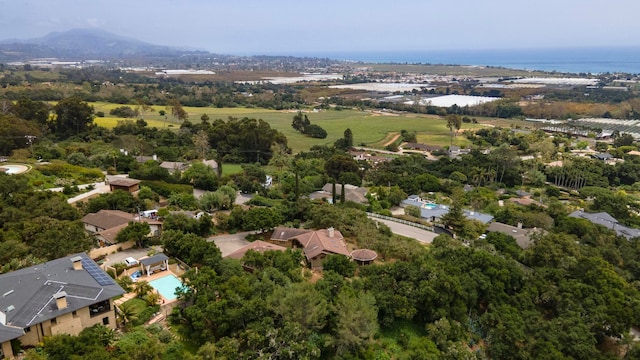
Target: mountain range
{"x": 83, "y": 44}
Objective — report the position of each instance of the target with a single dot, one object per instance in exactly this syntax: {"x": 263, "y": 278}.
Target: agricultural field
{"x": 367, "y": 127}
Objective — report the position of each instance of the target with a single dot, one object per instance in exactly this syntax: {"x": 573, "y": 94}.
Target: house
{"x": 258, "y": 246}
{"x": 608, "y": 221}
{"x": 174, "y": 166}
{"x": 124, "y": 184}
{"x": 316, "y": 244}
{"x": 422, "y": 147}
{"x": 434, "y": 212}
{"x": 106, "y": 224}
{"x": 143, "y": 159}
{"x": 371, "y": 159}
{"x": 62, "y": 296}
{"x": 455, "y": 151}
{"x": 351, "y": 193}
{"x": 522, "y": 236}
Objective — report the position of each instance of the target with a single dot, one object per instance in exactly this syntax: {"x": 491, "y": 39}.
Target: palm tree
{"x": 126, "y": 313}
{"x": 152, "y": 298}
{"x": 142, "y": 288}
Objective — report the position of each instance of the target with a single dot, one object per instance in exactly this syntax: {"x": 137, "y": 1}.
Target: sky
{"x": 293, "y": 27}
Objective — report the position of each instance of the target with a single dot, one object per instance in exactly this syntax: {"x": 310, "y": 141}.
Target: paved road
{"x": 408, "y": 231}
{"x": 231, "y": 242}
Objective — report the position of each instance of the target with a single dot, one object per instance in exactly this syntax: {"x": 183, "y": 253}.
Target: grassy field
{"x": 368, "y": 128}
{"x": 230, "y": 169}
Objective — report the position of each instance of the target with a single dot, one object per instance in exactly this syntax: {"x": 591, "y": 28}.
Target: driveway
{"x": 230, "y": 242}
{"x": 413, "y": 232}
{"x": 121, "y": 255}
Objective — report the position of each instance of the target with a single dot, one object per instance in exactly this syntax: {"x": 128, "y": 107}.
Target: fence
{"x": 405, "y": 222}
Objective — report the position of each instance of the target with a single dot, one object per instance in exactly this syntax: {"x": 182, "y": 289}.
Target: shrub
{"x": 164, "y": 189}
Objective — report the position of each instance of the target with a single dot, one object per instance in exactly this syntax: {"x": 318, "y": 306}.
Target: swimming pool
{"x": 14, "y": 169}
{"x": 167, "y": 286}
{"x": 430, "y": 206}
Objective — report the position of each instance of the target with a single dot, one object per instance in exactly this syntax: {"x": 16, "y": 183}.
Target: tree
{"x": 135, "y": 231}
{"x": 315, "y": 131}
{"x": 126, "y": 313}
{"x": 356, "y": 321}
{"x": 455, "y": 219}
{"x": 201, "y": 141}
{"x": 73, "y": 116}
{"x": 454, "y": 121}
{"x": 261, "y": 219}
{"x": 177, "y": 110}
{"x": 346, "y": 142}
{"x": 339, "y": 164}
{"x": 623, "y": 140}
{"x": 201, "y": 176}
{"x": 142, "y": 288}
{"x": 300, "y": 122}
{"x": 340, "y": 264}
{"x": 302, "y": 304}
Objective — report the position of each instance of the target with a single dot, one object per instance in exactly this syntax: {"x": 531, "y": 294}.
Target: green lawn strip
{"x": 373, "y": 130}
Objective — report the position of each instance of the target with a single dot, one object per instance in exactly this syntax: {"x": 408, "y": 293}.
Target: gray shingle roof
{"x": 154, "y": 259}
{"x": 28, "y": 294}
{"x": 432, "y": 210}
{"x": 608, "y": 221}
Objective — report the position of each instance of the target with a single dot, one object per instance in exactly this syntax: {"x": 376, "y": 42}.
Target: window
{"x": 27, "y": 329}
{"x": 75, "y": 314}
{"x": 99, "y": 308}
{"x": 105, "y": 321}
{"x": 54, "y": 321}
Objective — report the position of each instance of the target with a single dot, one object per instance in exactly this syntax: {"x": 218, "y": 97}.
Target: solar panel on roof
{"x": 98, "y": 274}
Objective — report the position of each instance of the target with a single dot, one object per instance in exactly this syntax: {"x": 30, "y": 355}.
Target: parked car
{"x": 130, "y": 261}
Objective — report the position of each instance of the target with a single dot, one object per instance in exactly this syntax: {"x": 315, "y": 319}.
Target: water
{"x": 570, "y": 60}
{"x": 167, "y": 286}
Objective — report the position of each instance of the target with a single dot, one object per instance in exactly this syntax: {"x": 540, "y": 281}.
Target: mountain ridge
{"x": 83, "y": 44}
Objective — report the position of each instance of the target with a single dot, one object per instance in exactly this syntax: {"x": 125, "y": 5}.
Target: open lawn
{"x": 230, "y": 169}
{"x": 368, "y": 128}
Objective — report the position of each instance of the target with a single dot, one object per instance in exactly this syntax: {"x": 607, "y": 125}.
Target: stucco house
{"x": 316, "y": 244}
{"x": 62, "y": 296}
{"x": 106, "y": 224}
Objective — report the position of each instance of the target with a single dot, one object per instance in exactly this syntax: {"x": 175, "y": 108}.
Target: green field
{"x": 370, "y": 129}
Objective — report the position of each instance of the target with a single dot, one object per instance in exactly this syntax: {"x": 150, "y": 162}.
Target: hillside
{"x": 81, "y": 44}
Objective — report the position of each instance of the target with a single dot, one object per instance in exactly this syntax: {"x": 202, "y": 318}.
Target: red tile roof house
{"x": 316, "y": 244}
{"x": 106, "y": 224}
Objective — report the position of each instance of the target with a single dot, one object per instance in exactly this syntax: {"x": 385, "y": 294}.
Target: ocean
{"x": 570, "y": 60}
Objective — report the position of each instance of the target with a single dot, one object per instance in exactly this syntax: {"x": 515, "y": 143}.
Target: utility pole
{"x": 30, "y": 139}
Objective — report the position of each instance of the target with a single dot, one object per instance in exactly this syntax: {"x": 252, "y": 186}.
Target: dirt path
{"x": 392, "y": 140}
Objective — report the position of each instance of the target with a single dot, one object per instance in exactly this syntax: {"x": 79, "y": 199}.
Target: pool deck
{"x": 154, "y": 276}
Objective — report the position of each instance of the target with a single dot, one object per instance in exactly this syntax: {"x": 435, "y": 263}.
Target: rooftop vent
{"x": 77, "y": 262}
{"x": 331, "y": 232}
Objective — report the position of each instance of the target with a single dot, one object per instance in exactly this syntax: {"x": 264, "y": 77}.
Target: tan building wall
{"x": 6, "y": 350}
{"x": 71, "y": 323}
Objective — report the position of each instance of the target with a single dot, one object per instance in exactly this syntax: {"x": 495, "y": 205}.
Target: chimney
{"x": 519, "y": 225}
{"x": 331, "y": 232}
{"x": 77, "y": 262}
{"x": 61, "y": 300}
{"x": 155, "y": 157}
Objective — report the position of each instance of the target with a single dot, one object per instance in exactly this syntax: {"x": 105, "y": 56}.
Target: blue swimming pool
{"x": 167, "y": 286}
